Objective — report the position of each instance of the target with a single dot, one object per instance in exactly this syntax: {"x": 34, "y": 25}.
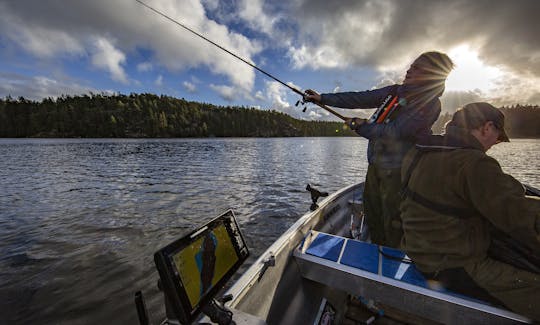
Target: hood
{"x": 455, "y": 138}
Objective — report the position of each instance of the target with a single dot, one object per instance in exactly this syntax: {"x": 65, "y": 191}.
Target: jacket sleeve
{"x": 501, "y": 199}
{"x": 361, "y": 99}
{"x": 408, "y": 124}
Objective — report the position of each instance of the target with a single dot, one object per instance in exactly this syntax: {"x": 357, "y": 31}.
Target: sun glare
{"x": 470, "y": 73}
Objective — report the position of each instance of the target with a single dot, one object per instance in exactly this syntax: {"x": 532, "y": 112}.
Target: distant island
{"x": 153, "y": 116}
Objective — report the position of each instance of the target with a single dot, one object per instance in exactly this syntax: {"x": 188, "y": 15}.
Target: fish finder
{"x": 194, "y": 268}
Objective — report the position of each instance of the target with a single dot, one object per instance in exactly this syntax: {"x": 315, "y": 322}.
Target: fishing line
{"x": 239, "y": 58}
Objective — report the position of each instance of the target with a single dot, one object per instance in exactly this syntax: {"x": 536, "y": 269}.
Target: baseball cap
{"x": 474, "y": 115}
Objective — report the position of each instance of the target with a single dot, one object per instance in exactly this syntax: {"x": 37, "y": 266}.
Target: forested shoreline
{"x": 152, "y": 116}
{"x": 148, "y": 116}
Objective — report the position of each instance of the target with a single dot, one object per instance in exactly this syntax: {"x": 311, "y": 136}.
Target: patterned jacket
{"x": 389, "y": 142}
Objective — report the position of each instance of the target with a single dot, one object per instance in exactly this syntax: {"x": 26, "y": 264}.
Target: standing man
{"x": 417, "y": 108}
{"x": 458, "y": 204}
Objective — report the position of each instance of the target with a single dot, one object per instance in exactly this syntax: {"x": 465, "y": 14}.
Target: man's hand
{"x": 355, "y": 122}
{"x": 312, "y": 96}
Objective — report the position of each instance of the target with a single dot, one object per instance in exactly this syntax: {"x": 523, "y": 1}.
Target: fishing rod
{"x": 243, "y": 60}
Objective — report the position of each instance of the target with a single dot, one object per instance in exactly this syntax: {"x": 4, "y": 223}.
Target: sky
{"x": 51, "y": 48}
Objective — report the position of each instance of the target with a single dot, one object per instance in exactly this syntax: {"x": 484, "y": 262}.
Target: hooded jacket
{"x": 389, "y": 142}
{"x": 455, "y": 195}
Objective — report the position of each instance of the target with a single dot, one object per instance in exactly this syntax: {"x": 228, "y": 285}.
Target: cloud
{"x": 255, "y": 15}
{"x": 232, "y": 93}
{"x": 39, "y": 87}
{"x": 315, "y": 115}
{"x": 381, "y": 37}
{"x": 507, "y": 89}
{"x": 513, "y": 88}
{"x": 109, "y": 58}
{"x": 189, "y": 86}
{"x": 276, "y": 94}
{"x": 159, "y": 81}
{"x": 347, "y": 33}
{"x": 377, "y": 32}
{"x": 259, "y": 95}
{"x": 387, "y": 35}
{"x": 57, "y": 28}
{"x": 452, "y": 100}
{"x": 145, "y": 67}
{"x": 176, "y": 58}
{"x": 211, "y": 4}
{"x": 261, "y": 17}
{"x": 32, "y": 37}
{"x": 226, "y": 92}
{"x": 316, "y": 58}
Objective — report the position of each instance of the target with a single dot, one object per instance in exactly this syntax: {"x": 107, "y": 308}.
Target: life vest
{"x": 390, "y": 105}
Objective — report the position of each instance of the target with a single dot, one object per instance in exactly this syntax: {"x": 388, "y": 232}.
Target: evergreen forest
{"x": 153, "y": 116}
{"x": 148, "y": 116}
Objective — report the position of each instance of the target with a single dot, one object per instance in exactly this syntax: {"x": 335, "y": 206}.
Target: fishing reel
{"x": 303, "y": 103}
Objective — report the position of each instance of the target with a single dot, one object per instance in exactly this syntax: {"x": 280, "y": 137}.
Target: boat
{"x": 323, "y": 271}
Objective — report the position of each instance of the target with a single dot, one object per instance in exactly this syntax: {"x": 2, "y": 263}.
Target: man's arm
{"x": 501, "y": 199}
{"x": 361, "y": 99}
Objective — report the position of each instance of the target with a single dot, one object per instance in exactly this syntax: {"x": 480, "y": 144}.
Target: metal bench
{"x": 384, "y": 275}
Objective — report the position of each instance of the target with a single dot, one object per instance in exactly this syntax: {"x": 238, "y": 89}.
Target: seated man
{"x": 456, "y": 198}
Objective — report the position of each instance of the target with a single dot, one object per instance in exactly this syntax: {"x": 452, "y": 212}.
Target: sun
{"x": 470, "y": 73}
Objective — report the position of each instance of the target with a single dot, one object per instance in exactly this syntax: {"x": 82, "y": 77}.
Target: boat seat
{"x": 387, "y": 276}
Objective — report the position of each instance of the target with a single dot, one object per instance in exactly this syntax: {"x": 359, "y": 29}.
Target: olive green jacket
{"x": 456, "y": 174}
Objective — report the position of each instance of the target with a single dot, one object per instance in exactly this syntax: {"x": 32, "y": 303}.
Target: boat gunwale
{"x": 250, "y": 276}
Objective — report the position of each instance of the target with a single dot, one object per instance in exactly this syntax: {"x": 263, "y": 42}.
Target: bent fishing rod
{"x": 243, "y": 60}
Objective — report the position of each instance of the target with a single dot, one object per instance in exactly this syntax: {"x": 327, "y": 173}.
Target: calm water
{"x": 80, "y": 219}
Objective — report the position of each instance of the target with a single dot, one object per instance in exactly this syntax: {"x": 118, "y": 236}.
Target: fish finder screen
{"x": 194, "y": 268}
{"x": 201, "y": 264}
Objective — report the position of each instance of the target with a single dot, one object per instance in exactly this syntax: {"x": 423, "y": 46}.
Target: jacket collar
{"x": 455, "y": 138}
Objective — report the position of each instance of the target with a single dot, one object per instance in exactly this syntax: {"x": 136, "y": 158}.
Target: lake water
{"x": 80, "y": 219}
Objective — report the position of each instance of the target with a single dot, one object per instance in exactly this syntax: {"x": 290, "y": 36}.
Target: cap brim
{"x": 503, "y": 137}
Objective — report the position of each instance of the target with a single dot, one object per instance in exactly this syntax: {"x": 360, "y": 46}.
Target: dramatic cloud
{"x": 390, "y": 34}
{"x": 52, "y": 28}
{"x": 132, "y": 46}
{"x": 377, "y": 32}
